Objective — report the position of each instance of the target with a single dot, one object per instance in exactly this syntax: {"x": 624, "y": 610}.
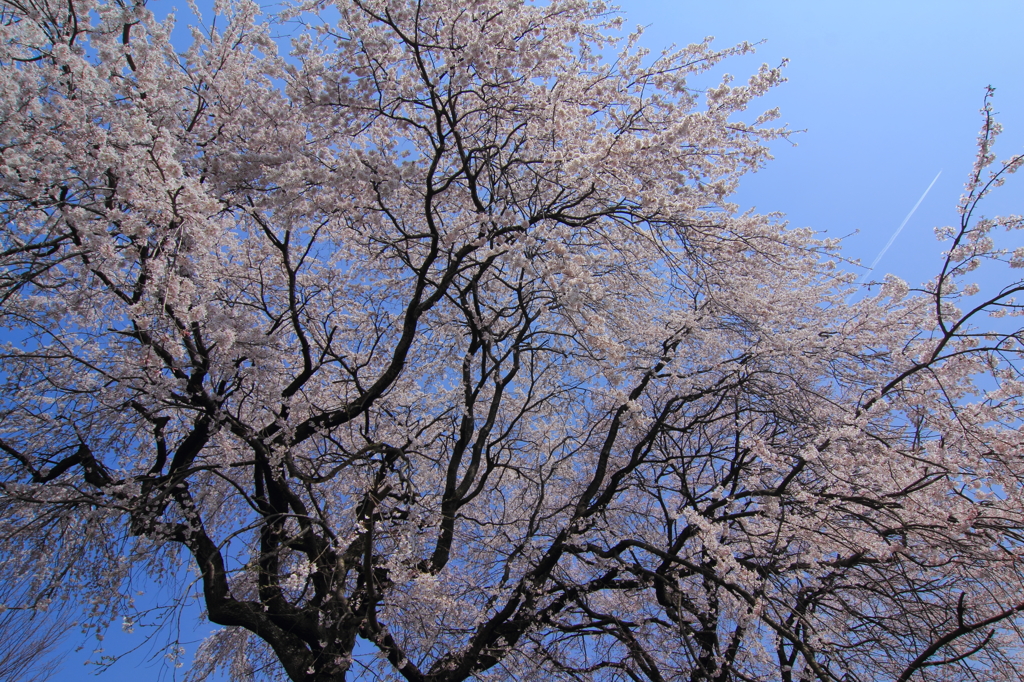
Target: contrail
{"x": 898, "y": 230}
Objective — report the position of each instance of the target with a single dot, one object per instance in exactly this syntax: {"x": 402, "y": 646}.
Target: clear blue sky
{"x": 888, "y": 93}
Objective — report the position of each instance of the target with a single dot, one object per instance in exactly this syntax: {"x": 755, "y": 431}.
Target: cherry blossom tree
{"x": 440, "y": 339}
{"x": 30, "y": 633}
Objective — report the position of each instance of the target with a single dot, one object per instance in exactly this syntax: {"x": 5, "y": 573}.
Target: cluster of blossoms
{"x": 440, "y": 339}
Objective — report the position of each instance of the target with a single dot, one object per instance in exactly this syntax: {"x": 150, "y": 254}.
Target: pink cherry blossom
{"x": 440, "y": 334}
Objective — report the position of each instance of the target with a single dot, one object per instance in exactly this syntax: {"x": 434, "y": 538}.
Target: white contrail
{"x": 898, "y": 230}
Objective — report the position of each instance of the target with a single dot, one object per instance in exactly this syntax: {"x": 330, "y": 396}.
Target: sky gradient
{"x": 887, "y": 94}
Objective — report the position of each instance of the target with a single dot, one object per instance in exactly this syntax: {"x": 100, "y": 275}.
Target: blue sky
{"x": 888, "y": 95}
